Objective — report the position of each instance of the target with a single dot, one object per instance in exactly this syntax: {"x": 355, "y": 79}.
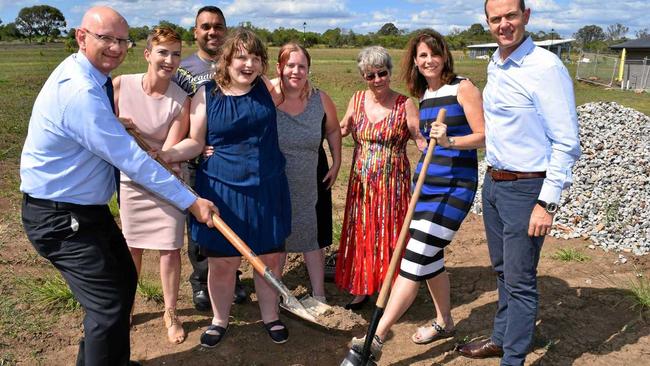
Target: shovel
{"x": 354, "y": 358}
{"x": 307, "y": 308}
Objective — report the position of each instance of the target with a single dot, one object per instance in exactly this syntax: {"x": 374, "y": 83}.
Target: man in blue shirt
{"x": 531, "y": 138}
{"x": 73, "y": 145}
{"x": 196, "y": 70}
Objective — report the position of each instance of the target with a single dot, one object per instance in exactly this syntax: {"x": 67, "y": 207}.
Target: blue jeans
{"x": 507, "y": 206}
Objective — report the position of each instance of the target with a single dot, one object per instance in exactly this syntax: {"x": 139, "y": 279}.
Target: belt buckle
{"x": 500, "y": 175}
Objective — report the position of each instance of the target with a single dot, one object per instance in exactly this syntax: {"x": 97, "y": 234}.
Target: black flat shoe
{"x": 278, "y": 336}
{"x": 357, "y": 305}
{"x": 212, "y": 336}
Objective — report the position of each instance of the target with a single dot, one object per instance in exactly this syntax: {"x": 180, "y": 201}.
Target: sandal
{"x": 278, "y": 336}
{"x": 441, "y": 333}
{"x": 175, "y": 331}
{"x": 212, "y": 336}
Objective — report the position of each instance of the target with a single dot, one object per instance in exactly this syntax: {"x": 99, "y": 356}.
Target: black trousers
{"x": 85, "y": 244}
{"x": 199, "y": 275}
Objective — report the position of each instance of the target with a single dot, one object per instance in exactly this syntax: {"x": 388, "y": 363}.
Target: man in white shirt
{"x": 532, "y": 143}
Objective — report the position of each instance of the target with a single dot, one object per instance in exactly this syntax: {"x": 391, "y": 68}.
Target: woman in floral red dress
{"x": 381, "y": 122}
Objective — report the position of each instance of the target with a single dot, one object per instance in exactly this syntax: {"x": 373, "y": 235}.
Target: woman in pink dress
{"x": 159, "y": 109}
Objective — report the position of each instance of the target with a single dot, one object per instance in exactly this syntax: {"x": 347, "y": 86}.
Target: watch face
{"x": 552, "y": 207}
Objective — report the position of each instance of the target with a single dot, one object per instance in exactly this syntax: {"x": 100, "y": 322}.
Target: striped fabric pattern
{"x": 448, "y": 191}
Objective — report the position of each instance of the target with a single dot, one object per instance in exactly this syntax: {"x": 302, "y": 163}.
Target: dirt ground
{"x": 585, "y": 317}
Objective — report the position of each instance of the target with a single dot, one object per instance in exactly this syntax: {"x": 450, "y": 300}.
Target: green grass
{"x": 51, "y": 293}
{"x": 640, "y": 288}
{"x": 150, "y": 291}
{"x": 570, "y": 255}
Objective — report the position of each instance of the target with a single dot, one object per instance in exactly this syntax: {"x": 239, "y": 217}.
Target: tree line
{"x": 44, "y": 23}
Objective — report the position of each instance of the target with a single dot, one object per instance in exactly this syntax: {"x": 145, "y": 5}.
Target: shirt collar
{"x": 518, "y": 55}
{"x": 85, "y": 64}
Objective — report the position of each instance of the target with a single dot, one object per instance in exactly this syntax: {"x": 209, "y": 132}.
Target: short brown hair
{"x": 415, "y": 81}
{"x": 522, "y": 6}
{"x": 160, "y": 35}
{"x": 239, "y": 38}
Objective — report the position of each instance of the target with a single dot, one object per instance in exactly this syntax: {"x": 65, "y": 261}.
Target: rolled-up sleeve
{"x": 555, "y": 104}
{"x": 95, "y": 127}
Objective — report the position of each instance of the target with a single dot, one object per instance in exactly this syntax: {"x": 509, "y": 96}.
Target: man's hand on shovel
{"x": 203, "y": 210}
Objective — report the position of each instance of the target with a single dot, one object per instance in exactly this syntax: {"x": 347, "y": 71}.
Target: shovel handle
{"x": 384, "y": 293}
{"x": 239, "y": 244}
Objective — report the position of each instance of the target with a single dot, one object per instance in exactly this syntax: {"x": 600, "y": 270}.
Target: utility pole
{"x": 552, "y": 39}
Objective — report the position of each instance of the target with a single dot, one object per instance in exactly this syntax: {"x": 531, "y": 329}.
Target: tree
{"x": 139, "y": 33}
{"x": 180, "y": 30}
{"x": 588, "y": 34}
{"x": 642, "y": 33}
{"x": 388, "y": 29}
{"x": 40, "y": 20}
{"x": 616, "y": 31}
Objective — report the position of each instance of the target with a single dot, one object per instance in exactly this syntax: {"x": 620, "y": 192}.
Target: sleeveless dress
{"x": 149, "y": 222}
{"x": 377, "y": 198}
{"x": 245, "y": 176}
{"x": 301, "y": 142}
{"x": 448, "y": 190}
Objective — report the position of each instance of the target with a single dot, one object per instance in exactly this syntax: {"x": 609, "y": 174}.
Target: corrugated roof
{"x": 635, "y": 43}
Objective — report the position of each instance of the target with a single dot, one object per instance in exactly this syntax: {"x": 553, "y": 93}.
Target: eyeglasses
{"x": 371, "y": 76}
{"x": 110, "y": 40}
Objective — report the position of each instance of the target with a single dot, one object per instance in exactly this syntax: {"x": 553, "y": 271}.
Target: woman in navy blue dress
{"x": 244, "y": 177}
{"x": 450, "y": 184}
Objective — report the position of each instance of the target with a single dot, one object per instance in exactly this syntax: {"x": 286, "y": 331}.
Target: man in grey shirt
{"x": 194, "y": 71}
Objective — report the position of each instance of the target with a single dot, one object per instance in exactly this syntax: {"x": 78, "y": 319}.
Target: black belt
{"x": 507, "y": 175}
{"x": 41, "y": 202}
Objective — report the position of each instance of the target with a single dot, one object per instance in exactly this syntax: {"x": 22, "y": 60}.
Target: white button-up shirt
{"x": 530, "y": 118}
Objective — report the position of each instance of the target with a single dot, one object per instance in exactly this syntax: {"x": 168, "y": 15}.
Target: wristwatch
{"x": 452, "y": 142}
{"x": 550, "y": 207}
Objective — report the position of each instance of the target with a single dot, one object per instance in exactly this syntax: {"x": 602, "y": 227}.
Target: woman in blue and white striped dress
{"x": 449, "y": 187}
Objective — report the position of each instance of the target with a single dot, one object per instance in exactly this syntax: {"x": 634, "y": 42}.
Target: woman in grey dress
{"x": 305, "y": 116}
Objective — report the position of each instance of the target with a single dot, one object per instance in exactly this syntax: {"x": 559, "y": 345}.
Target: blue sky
{"x": 564, "y": 16}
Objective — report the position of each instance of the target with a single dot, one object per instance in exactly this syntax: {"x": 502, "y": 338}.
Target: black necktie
{"x": 109, "y": 92}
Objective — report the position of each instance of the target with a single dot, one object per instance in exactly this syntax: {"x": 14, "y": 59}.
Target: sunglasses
{"x": 371, "y": 76}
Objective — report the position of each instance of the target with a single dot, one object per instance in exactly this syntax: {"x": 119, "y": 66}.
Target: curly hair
{"x": 238, "y": 39}
{"x": 415, "y": 81}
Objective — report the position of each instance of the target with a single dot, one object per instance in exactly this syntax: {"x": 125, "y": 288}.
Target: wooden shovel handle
{"x": 239, "y": 244}
{"x": 382, "y": 299}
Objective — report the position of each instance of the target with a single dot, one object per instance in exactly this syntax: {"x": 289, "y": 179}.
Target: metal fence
{"x": 636, "y": 75}
{"x": 597, "y": 68}
{"x": 603, "y": 69}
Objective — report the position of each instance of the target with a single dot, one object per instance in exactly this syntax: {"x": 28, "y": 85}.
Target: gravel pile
{"x": 609, "y": 201}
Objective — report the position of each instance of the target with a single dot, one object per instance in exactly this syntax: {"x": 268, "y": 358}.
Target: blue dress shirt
{"x": 74, "y": 142}
{"x": 530, "y": 117}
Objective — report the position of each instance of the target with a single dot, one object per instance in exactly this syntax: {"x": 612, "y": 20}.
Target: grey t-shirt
{"x": 194, "y": 72}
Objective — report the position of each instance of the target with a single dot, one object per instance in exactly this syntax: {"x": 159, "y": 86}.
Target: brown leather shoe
{"x": 480, "y": 349}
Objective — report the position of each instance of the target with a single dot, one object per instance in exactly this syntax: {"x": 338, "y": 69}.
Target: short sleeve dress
{"x": 301, "y": 142}
{"x": 245, "y": 176}
{"x": 148, "y": 221}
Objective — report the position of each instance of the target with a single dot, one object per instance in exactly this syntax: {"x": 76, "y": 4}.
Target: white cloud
{"x": 288, "y": 8}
